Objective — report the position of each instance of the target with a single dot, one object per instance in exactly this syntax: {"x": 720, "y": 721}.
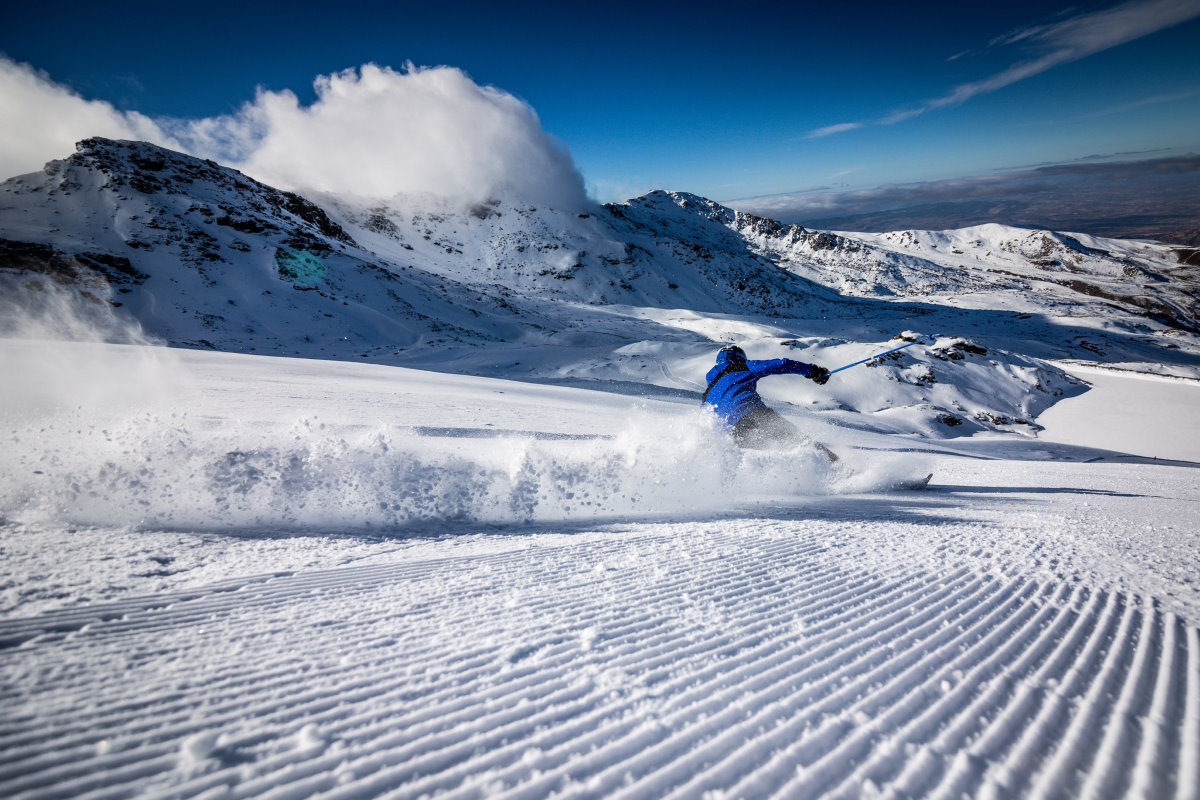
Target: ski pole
{"x": 885, "y": 352}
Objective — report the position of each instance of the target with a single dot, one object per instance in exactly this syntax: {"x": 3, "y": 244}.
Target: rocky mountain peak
{"x": 224, "y": 193}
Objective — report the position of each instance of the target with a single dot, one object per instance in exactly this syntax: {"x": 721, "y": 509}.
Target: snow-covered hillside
{"x": 635, "y": 295}
{"x": 1104, "y": 286}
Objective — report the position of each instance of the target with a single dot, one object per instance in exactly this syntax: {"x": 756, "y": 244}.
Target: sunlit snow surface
{"x": 245, "y": 576}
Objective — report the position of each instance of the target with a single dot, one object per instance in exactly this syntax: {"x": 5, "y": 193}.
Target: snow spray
{"x": 174, "y": 472}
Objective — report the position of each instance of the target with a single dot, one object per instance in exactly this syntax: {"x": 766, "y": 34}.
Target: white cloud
{"x": 377, "y": 132}
{"x": 42, "y": 120}
{"x": 373, "y": 132}
{"x": 830, "y": 130}
{"x": 1152, "y": 100}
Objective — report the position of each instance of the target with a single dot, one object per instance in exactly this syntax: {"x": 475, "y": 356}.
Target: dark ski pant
{"x": 764, "y": 429}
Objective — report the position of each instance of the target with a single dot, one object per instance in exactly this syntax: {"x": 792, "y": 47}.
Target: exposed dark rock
{"x": 1189, "y": 256}
{"x": 969, "y": 347}
{"x": 762, "y": 226}
{"x": 87, "y": 269}
{"x": 1155, "y": 309}
{"x": 299, "y": 207}
{"x": 924, "y": 378}
{"x": 378, "y": 222}
{"x": 246, "y": 224}
{"x": 484, "y": 211}
{"x": 150, "y": 169}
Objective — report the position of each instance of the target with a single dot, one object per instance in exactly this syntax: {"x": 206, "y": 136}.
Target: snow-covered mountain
{"x": 233, "y": 574}
{"x": 638, "y": 293}
{"x": 1042, "y": 270}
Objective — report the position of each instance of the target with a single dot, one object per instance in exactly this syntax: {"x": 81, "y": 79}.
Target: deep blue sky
{"x": 717, "y": 99}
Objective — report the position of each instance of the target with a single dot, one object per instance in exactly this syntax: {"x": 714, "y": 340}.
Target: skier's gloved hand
{"x": 819, "y": 376}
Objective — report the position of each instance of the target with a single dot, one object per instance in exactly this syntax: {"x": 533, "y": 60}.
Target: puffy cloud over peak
{"x": 43, "y": 120}
{"x": 376, "y": 132}
{"x": 373, "y": 132}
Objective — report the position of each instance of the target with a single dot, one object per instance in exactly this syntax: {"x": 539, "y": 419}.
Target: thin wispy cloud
{"x": 901, "y": 116}
{"x": 1067, "y": 41}
{"x": 1055, "y": 44}
{"x": 1113, "y": 193}
{"x": 831, "y": 130}
{"x": 1153, "y": 100}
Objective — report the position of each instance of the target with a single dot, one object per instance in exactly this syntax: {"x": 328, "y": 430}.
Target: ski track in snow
{"x": 744, "y": 659}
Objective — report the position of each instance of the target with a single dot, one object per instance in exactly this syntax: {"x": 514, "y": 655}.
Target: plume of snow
{"x": 55, "y": 348}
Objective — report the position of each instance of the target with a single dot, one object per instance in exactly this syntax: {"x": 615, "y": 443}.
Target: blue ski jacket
{"x": 733, "y": 390}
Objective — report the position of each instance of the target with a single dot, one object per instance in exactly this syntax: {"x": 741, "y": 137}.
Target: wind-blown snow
{"x": 416, "y": 448}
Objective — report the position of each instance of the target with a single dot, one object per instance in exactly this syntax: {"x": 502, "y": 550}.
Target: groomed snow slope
{"x": 1121, "y": 415}
{"x": 1027, "y": 626}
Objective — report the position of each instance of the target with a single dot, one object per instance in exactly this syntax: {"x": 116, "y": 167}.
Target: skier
{"x": 733, "y": 393}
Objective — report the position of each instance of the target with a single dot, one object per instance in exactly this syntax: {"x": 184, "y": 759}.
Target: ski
{"x": 912, "y": 485}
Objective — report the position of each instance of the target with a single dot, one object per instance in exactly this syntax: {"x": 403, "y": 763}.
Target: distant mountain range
{"x": 635, "y": 294}
{"x": 1153, "y": 198}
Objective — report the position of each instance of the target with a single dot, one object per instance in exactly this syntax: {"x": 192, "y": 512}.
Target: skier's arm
{"x": 779, "y": 366}
{"x": 787, "y": 366}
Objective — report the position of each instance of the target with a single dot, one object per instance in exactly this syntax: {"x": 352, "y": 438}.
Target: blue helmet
{"x": 732, "y": 353}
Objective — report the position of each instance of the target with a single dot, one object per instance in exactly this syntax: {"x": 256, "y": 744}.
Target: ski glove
{"x": 819, "y": 376}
